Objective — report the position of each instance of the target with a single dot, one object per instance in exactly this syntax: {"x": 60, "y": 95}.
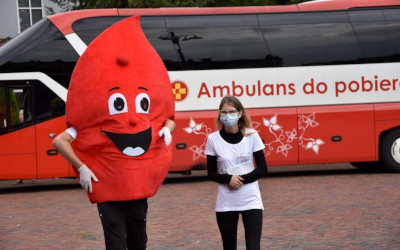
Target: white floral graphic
{"x": 272, "y": 123}
{"x": 193, "y": 127}
{"x": 284, "y": 138}
{"x": 196, "y": 128}
{"x": 315, "y": 145}
{"x": 291, "y": 135}
{"x": 280, "y": 145}
{"x": 304, "y": 122}
{"x": 277, "y": 131}
{"x": 255, "y": 124}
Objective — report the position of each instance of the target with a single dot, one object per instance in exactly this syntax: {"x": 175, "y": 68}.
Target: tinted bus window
{"x": 156, "y": 33}
{"x": 323, "y": 43}
{"x": 379, "y": 38}
{"x": 153, "y": 28}
{"x": 15, "y": 108}
{"x": 392, "y": 14}
{"x": 303, "y": 18}
{"x": 218, "y": 42}
{"x": 89, "y": 28}
{"x": 42, "y": 48}
{"x": 23, "y": 100}
{"x": 3, "y": 111}
{"x": 47, "y": 104}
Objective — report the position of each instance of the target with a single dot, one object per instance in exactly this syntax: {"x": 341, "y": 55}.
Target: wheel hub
{"x": 396, "y": 150}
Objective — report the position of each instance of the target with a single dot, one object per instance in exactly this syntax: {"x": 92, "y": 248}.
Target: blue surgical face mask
{"x": 229, "y": 120}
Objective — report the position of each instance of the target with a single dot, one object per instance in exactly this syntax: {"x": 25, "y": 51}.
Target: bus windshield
{"x": 38, "y": 34}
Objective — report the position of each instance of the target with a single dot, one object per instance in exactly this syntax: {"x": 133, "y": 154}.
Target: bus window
{"x": 89, "y": 28}
{"x": 3, "y": 110}
{"x": 15, "y": 108}
{"x": 379, "y": 37}
{"x": 47, "y": 104}
{"x": 392, "y": 14}
{"x": 23, "y": 107}
{"x": 42, "y": 48}
{"x": 156, "y": 33}
{"x": 218, "y": 42}
{"x": 311, "y": 41}
{"x": 153, "y": 27}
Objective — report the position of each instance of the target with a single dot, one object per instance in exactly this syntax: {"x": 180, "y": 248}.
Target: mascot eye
{"x": 117, "y": 104}
{"x": 142, "y": 103}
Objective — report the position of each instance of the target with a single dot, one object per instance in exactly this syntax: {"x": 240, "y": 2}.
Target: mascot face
{"x": 136, "y": 107}
{"x": 118, "y": 100}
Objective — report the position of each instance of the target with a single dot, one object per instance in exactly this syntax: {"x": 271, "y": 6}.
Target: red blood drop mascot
{"x": 118, "y": 100}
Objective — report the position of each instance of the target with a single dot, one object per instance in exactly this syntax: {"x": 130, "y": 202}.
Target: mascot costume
{"x": 119, "y": 98}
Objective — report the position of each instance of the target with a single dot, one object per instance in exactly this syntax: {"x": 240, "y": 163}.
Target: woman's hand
{"x": 235, "y": 183}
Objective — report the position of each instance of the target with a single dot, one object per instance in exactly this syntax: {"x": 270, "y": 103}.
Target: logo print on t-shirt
{"x": 245, "y": 157}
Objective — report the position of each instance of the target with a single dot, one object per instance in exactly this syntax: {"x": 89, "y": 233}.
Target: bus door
{"x": 338, "y": 133}
{"x": 277, "y": 128}
{"x": 190, "y": 140}
{"x": 17, "y": 135}
{"x": 50, "y": 121}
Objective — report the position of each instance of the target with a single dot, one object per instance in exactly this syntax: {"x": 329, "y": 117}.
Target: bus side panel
{"x": 336, "y": 134}
{"x": 189, "y": 139}
{"x": 18, "y": 154}
{"x": 387, "y": 111}
{"x": 50, "y": 163}
{"x": 21, "y": 166}
{"x": 277, "y": 127}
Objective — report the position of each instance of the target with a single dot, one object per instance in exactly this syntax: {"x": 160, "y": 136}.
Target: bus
{"x": 320, "y": 80}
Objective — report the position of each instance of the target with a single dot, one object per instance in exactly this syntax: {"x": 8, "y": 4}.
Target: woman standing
{"x": 230, "y": 152}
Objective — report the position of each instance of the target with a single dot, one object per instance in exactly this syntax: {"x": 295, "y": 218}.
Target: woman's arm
{"x": 63, "y": 144}
{"x": 212, "y": 171}
{"x": 261, "y": 169}
{"x": 170, "y": 124}
{"x": 169, "y": 127}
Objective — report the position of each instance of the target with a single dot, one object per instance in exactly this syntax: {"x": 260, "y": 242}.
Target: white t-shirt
{"x": 72, "y": 132}
{"x": 236, "y": 159}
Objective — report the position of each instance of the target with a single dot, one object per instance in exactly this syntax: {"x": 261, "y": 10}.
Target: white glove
{"x": 167, "y": 135}
{"x": 86, "y": 175}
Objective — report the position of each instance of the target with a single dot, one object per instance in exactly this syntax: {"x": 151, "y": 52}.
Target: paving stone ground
{"x": 331, "y": 206}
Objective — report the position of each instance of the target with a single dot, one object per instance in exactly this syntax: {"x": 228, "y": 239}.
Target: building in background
{"x": 18, "y": 15}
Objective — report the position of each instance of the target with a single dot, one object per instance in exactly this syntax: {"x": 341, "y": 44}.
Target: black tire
{"x": 389, "y": 151}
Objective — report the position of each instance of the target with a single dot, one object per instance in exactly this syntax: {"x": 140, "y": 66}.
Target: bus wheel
{"x": 390, "y": 151}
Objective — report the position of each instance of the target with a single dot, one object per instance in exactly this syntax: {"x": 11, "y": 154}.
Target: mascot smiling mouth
{"x": 131, "y": 144}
